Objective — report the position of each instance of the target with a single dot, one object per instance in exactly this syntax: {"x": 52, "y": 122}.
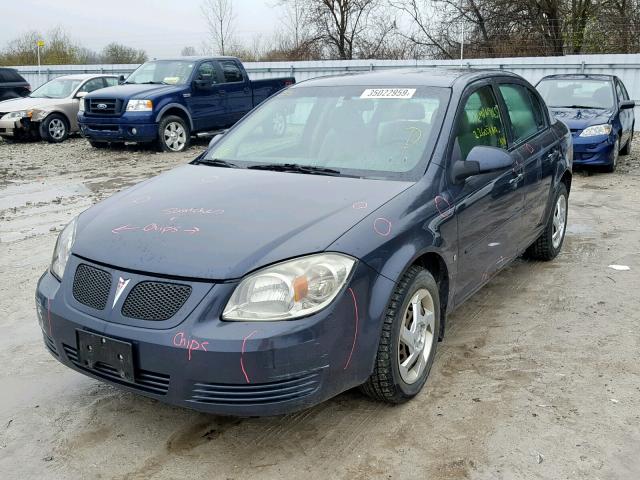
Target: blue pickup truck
{"x": 167, "y": 101}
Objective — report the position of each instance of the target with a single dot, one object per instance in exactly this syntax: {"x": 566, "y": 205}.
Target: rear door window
{"x": 231, "y": 71}
{"x": 91, "y": 85}
{"x": 526, "y": 120}
{"x": 111, "y": 81}
{"x": 479, "y": 123}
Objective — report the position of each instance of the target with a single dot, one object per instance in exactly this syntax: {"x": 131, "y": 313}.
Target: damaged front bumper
{"x": 196, "y": 360}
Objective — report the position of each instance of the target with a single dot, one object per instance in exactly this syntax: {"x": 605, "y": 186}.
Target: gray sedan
{"x": 50, "y": 111}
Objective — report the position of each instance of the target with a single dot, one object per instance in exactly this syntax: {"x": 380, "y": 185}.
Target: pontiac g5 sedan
{"x": 274, "y": 272}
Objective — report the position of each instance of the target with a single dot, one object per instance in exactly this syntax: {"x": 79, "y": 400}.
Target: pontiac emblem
{"x": 122, "y": 284}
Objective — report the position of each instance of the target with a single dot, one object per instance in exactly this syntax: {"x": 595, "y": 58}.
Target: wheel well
{"x": 179, "y": 113}
{"x": 56, "y": 112}
{"x": 566, "y": 179}
{"x": 438, "y": 268}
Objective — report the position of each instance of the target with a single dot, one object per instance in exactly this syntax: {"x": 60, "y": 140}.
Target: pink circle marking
{"x": 382, "y": 226}
{"x": 443, "y": 211}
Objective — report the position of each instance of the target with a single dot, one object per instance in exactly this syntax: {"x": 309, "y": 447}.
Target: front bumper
{"x": 596, "y": 150}
{"x": 130, "y": 127}
{"x": 11, "y": 128}
{"x": 231, "y": 368}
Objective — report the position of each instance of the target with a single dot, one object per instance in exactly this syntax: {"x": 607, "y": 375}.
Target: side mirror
{"x": 81, "y": 94}
{"x": 216, "y": 138}
{"x": 121, "y": 79}
{"x": 480, "y": 160}
{"x": 627, "y": 104}
{"x": 203, "y": 82}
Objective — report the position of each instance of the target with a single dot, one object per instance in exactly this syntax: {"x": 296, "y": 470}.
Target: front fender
{"x": 174, "y": 105}
{"x": 418, "y": 221}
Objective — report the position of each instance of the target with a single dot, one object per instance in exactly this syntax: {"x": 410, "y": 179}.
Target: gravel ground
{"x": 538, "y": 376}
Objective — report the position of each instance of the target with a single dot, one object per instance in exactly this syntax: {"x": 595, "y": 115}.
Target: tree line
{"x": 382, "y": 29}
{"x": 60, "y": 49}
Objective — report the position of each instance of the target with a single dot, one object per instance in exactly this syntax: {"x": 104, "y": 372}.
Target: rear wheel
{"x": 54, "y": 128}
{"x": 408, "y": 341}
{"x": 173, "y": 134}
{"x": 548, "y": 245}
{"x": 627, "y": 148}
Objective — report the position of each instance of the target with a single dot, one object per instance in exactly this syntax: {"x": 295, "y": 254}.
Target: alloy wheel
{"x": 559, "y": 221}
{"x": 415, "y": 340}
{"x": 57, "y": 129}
{"x": 175, "y": 136}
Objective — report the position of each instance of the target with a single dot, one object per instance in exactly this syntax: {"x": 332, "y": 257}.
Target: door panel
{"x": 204, "y": 102}
{"x": 235, "y": 90}
{"x": 488, "y": 206}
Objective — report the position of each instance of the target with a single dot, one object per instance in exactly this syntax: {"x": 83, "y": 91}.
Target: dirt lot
{"x": 538, "y": 377}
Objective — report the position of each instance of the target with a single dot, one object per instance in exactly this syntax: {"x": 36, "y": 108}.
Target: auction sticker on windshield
{"x": 388, "y": 93}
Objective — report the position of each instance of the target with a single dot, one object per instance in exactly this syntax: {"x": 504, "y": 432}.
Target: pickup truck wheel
{"x": 408, "y": 341}
{"x": 548, "y": 245}
{"x": 173, "y": 134}
{"x": 54, "y": 128}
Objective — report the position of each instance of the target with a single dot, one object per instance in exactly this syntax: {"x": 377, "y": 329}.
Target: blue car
{"x": 276, "y": 271}
{"x": 599, "y": 113}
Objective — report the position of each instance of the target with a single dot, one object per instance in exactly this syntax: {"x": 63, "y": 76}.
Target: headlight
{"x": 18, "y": 114}
{"x": 593, "y": 130}
{"x": 290, "y": 289}
{"x": 63, "y": 249}
{"x": 139, "y": 106}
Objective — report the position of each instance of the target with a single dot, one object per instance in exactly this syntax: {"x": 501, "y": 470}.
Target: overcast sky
{"x": 161, "y": 27}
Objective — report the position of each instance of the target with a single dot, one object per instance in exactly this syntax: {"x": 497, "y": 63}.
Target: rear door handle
{"x": 222, "y": 92}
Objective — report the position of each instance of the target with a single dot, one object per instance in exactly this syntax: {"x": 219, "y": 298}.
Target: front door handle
{"x": 516, "y": 179}
{"x": 222, "y": 92}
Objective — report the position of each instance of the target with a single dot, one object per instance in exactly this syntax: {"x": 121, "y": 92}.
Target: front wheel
{"x": 408, "y": 341}
{"x": 548, "y": 245}
{"x": 54, "y": 128}
{"x": 627, "y": 148}
{"x": 615, "y": 153}
{"x": 173, "y": 134}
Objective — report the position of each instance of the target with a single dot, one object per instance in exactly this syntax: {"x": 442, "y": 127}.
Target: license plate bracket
{"x": 95, "y": 348}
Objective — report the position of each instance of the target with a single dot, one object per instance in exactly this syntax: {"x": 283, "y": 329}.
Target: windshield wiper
{"x": 216, "y": 162}
{"x": 580, "y": 106}
{"x": 296, "y": 168}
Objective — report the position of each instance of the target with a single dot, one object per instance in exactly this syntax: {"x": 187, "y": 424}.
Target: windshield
{"x": 169, "y": 72}
{"x": 377, "y": 133}
{"x": 56, "y": 88}
{"x": 577, "y": 93}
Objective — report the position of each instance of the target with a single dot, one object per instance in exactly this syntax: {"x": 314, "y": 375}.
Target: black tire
{"x": 98, "y": 144}
{"x": 54, "y": 128}
{"x": 627, "y": 148}
{"x": 386, "y": 383}
{"x": 543, "y": 248}
{"x": 182, "y": 140}
{"x": 615, "y": 153}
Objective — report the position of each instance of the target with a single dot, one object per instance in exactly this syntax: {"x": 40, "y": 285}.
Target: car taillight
{"x": 287, "y": 83}
{"x": 29, "y": 86}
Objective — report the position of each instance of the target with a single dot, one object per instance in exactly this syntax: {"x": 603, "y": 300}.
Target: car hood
{"x": 220, "y": 223}
{"x": 28, "y": 103}
{"x": 580, "y": 118}
{"x": 125, "y": 92}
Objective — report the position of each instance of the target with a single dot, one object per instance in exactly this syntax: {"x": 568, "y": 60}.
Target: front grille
{"x": 145, "y": 380}
{"x": 103, "y": 106}
{"x": 91, "y": 286}
{"x": 252, "y": 394}
{"x": 155, "y": 300}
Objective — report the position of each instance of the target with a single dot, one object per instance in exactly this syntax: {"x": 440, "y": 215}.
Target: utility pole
{"x": 40, "y": 43}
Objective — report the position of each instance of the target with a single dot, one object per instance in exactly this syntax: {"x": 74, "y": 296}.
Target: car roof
{"x": 196, "y": 58}
{"x": 85, "y": 76}
{"x": 432, "y": 77}
{"x": 580, "y": 76}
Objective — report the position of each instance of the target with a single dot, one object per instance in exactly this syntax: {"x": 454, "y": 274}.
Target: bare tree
{"x": 220, "y": 19}
{"x": 188, "y": 51}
